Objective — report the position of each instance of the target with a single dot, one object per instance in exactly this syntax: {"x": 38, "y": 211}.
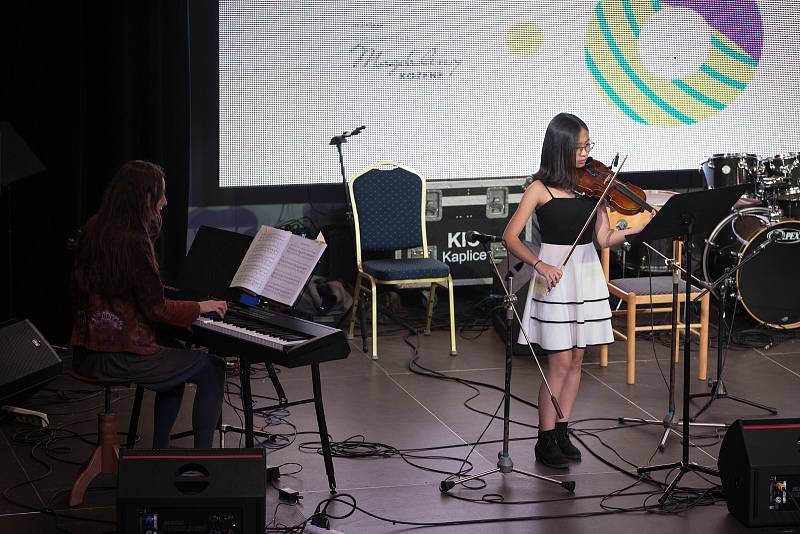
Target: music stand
{"x": 680, "y": 218}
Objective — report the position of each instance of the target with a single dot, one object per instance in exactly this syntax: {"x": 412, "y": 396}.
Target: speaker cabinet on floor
{"x": 26, "y": 359}
{"x": 193, "y": 490}
{"x": 759, "y": 464}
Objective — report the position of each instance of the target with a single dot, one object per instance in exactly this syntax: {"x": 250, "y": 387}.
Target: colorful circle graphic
{"x": 622, "y": 78}
{"x": 524, "y": 38}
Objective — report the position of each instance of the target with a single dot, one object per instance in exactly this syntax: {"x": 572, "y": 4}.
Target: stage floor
{"x": 425, "y": 418}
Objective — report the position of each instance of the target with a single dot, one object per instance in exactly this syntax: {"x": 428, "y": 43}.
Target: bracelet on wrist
{"x": 535, "y": 264}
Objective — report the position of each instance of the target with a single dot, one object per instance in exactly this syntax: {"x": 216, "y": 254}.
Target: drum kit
{"x": 769, "y": 211}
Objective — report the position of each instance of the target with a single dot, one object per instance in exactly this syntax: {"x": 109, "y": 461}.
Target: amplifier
{"x": 26, "y": 361}
{"x": 194, "y": 490}
{"x": 759, "y": 464}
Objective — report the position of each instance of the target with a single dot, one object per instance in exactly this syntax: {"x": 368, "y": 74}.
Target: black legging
{"x": 209, "y": 377}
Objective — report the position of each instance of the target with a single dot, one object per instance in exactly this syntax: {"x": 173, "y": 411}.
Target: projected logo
{"x": 673, "y": 62}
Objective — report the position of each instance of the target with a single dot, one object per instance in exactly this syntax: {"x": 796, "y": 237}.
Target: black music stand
{"x": 680, "y": 218}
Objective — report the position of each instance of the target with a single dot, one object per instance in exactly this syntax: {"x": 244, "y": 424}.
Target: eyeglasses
{"x": 587, "y": 147}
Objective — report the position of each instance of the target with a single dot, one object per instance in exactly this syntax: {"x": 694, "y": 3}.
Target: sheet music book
{"x": 278, "y": 265}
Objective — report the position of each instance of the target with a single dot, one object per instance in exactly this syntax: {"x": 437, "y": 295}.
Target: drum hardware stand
{"x": 718, "y": 390}
{"x": 670, "y": 421}
{"x": 683, "y": 215}
{"x": 504, "y": 463}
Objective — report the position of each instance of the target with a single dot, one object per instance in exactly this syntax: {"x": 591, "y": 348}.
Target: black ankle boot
{"x": 547, "y": 451}
{"x": 570, "y": 451}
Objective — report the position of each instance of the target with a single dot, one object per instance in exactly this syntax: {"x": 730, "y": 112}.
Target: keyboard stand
{"x": 222, "y": 428}
{"x": 247, "y": 405}
{"x": 249, "y": 411}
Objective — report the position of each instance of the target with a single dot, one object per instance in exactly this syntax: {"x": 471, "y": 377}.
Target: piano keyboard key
{"x": 248, "y": 334}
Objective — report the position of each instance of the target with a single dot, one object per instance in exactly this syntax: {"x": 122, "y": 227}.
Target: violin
{"x": 626, "y": 198}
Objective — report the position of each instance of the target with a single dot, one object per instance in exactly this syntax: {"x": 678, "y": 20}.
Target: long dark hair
{"x": 557, "y": 164}
{"x": 128, "y": 214}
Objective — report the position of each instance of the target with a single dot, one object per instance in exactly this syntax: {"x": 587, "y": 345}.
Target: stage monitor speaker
{"x": 759, "y": 464}
{"x": 26, "y": 360}
{"x": 192, "y": 490}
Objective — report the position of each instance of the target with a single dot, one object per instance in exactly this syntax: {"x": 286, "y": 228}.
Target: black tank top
{"x": 560, "y": 219}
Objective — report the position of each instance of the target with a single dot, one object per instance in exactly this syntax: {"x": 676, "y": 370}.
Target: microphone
{"x": 339, "y": 139}
{"x": 621, "y": 225}
{"x": 773, "y": 236}
{"x": 472, "y": 236}
{"x": 776, "y": 235}
{"x": 354, "y": 132}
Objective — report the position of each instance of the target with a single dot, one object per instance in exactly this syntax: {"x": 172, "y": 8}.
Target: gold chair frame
{"x": 364, "y": 279}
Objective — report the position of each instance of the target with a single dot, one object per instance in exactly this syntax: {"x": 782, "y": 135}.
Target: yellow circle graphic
{"x": 524, "y": 38}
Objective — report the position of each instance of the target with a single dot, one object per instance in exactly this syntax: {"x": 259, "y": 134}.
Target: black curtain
{"x": 88, "y": 86}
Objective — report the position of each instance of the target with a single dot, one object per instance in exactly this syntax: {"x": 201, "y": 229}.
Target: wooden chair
{"x": 105, "y": 458}
{"x": 388, "y": 201}
{"x": 635, "y": 292}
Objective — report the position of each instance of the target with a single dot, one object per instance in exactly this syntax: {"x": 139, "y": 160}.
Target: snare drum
{"x": 721, "y": 170}
{"x": 765, "y": 285}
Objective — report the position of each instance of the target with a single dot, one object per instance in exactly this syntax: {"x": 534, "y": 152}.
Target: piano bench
{"x": 105, "y": 457}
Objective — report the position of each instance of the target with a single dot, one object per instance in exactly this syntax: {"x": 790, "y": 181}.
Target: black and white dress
{"x": 575, "y": 313}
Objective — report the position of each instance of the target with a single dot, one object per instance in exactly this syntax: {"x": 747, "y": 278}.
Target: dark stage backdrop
{"x": 87, "y": 86}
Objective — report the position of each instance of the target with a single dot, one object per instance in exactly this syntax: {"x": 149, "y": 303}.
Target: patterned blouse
{"x": 125, "y": 323}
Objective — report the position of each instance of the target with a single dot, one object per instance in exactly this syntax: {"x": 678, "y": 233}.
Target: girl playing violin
{"x": 566, "y": 309}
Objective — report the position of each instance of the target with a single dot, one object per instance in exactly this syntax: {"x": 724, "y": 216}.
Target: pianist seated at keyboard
{"x": 120, "y": 299}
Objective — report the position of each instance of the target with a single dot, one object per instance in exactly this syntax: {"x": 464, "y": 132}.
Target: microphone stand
{"x": 670, "y": 421}
{"x": 504, "y": 463}
{"x": 718, "y": 389}
{"x": 337, "y": 141}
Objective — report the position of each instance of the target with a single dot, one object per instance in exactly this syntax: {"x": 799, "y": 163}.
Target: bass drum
{"x": 765, "y": 285}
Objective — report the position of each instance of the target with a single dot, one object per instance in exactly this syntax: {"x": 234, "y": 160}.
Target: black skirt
{"x": 166, "y": 369}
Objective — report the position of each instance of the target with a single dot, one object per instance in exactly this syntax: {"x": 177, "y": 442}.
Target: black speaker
{"x": 26, "y": 359}
{"x": 192, "y": 490}
{"x": 759, "y": 464}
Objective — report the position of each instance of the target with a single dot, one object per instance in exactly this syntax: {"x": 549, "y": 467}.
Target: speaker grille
{"x": 26, "y": 358}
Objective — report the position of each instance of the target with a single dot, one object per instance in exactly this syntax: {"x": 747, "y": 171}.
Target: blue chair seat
{"x": 406, "y": 269}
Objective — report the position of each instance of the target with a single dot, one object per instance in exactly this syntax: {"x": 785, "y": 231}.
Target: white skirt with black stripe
{"x": 576, "y": 312}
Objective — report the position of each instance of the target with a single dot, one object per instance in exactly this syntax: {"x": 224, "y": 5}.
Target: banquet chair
{"x": 388, "y": 202}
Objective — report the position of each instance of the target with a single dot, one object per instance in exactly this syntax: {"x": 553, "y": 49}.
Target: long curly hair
{"x": 128, "y": 216}
{"x": 557, "y": 164}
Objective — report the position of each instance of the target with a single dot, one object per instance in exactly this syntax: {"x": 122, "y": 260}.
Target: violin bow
{"x": 592, "y": 214}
